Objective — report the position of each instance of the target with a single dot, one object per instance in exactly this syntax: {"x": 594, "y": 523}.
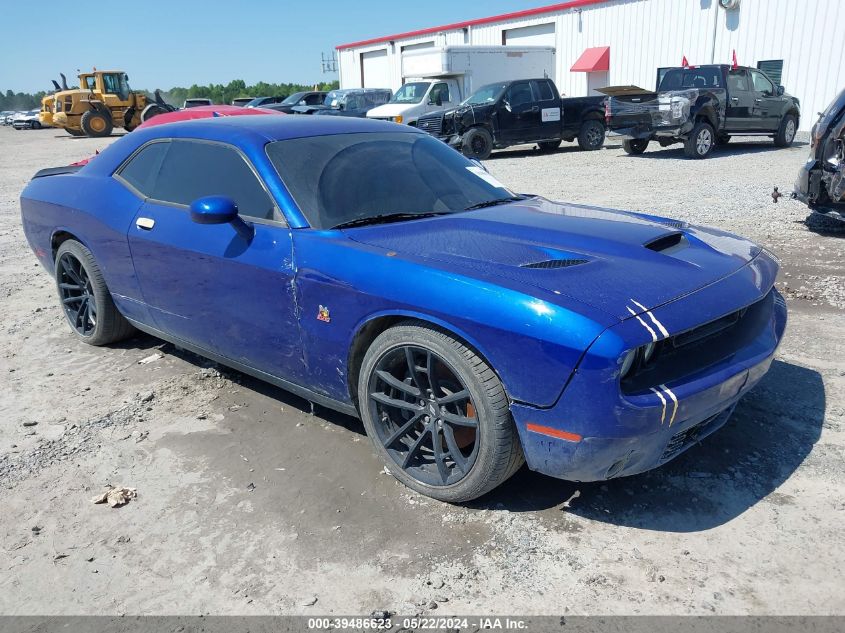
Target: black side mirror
{"x": 220, "y": 210}
{"x": 780, "y": 91}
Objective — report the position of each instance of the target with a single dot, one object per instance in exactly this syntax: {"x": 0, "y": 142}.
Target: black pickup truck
{"x": 515, "y": 112}
{"x": 701, "y": 107}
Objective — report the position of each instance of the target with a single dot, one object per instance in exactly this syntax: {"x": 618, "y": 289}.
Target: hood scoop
{"x": 668, "y": 243}
{"x": 551, "y": 264}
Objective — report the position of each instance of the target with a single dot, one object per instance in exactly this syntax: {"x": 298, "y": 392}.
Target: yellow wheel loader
{"x": 102, "y": 102}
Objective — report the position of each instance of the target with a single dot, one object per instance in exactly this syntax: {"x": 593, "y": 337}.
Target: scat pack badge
{"x": 323, "y": 314}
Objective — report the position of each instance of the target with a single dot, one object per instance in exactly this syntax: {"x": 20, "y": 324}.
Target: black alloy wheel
{"x": 424, "y": 415}
{"x": 77, "y": 295}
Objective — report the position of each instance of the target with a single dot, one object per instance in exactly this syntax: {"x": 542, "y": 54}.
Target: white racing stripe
{"x": 663, "y": 400}
{"x": 653, "y": 318}
{"x": 674, "y": 399}
{"x": 644, "y": 324}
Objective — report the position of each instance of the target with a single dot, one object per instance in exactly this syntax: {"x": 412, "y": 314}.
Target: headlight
{"x": 648, "y": 351}
{"x": 398, "y": 119}
{"x": 628, "y": 363}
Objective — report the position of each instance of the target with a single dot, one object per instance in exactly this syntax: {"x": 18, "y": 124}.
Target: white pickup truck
{"x": 441, "y": 77}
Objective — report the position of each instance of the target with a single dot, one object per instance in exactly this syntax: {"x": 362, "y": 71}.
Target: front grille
{"x": 703, "y": 346}
{"x": 555, "y": 263}
{"x": 431, "y": 124}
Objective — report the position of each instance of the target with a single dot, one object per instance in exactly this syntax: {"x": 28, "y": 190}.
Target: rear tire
{"x": 74, "y": 132}
{"x": 96, "y": 123}
{"x": 404, "y": 437}
{"x": 786, "y": 132}
{"x": 548, "y": 146}
{"x": 591, "y": 135}
{"x": 35, "y": 125}
{"x": 635, "y": 146}
{"x": 85, "y": 299}
{"x": 701, "y": 141}
{"x": 477, "y": 143}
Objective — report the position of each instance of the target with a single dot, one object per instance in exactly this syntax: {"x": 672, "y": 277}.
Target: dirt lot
{"x": 249, "y": 504}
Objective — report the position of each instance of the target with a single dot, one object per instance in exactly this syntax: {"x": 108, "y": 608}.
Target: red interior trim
{"x": 572, "y": 4}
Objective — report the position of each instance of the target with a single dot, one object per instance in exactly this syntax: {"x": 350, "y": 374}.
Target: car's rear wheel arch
{"x": 58, "y": 238}
{"x": 370, "y": 329}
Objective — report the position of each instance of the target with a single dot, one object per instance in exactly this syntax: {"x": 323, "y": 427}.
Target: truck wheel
{"x": 477, "y": 143}
{"x": 701, "y": 141}
{"x": 95, "y": 123}
{"x": 635, "y": 146}
{"x": 35, "y": 125}
{"x": 548, "y": 146}
{"x": 591, "y": 135}
{"x": 786, "y": 131}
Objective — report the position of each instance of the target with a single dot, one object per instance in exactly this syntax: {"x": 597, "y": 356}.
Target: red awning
{"x": 593, "y": 60}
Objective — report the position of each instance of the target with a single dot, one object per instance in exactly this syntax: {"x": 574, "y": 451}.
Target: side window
{"x": 194, "y": 169}
{"x": 142, "y": 169}
{"x": 544, "y": 91}
{"x": 441, "y": 90}
{"x": 761, "y": 84}
{"x": 738, "y": 81}
{"x": 90, "y": 83}
{"x": 519, "y": 94}
{"x": 111, "y": 84}
{"x": 313, "y": 100}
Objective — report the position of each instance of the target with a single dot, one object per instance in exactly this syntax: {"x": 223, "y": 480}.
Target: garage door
{"x": 374, "y": 69}
{"x": 537, "y": 35}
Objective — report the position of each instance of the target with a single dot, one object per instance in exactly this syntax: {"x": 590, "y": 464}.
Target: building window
{"x": 773, "y": 68}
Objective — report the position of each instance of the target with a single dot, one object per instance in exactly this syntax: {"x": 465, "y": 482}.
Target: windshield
{"x": 486, "y": 94}
{"x": 350, "y": 177}
{"x": 684, "y": 78}
{"x": 411, "y": 93}
{"x": 293, "y": 99}
{"x": 335, "y": 97}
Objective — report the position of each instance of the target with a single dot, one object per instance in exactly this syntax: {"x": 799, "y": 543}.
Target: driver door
{"x": 205, "y": 284}
{"x": 519, "y": 114}
{"x": 767, "y": 103}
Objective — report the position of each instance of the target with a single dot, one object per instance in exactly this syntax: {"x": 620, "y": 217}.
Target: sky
{"x": 182, "y": 42}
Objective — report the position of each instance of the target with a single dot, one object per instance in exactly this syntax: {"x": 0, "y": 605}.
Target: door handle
{"x": 734, "y": 99}
{"x": 145, "y": 223}
{"x": 758, "y": 100}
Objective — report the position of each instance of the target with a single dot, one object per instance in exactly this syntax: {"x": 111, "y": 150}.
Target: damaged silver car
{"x": 821, "y": 181}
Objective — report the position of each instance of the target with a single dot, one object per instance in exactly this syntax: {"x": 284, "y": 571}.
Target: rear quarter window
{"x": 142, "y": 169}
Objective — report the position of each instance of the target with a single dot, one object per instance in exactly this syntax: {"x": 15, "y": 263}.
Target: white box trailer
{"x": 441, "y": 77}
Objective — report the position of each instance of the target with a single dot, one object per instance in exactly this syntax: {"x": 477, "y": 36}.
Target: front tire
{"x": 96, "y": 124}
{"x": 35, "y": 125}
{"x": 477, "y": 143}
{"x": 701, "y": 141}
{"x": 635, "y": 146}
{"x": 85, "y": 299}
{"x": 786, "y": 132}
{"x": 437, "y": 414}
{"x": 591, "y": 135}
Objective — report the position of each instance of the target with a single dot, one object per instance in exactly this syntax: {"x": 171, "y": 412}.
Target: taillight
{"x": 607, "y": 110}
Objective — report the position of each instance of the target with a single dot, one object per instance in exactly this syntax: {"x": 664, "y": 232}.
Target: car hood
{"x": 391, "y": 109}
{"x": 611, "y": 260}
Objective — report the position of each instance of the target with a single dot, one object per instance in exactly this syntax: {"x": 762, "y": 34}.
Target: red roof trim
{"x": 572, "y": 4}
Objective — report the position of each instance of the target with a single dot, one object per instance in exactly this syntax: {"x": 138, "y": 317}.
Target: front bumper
{"x": 591, "y": 434}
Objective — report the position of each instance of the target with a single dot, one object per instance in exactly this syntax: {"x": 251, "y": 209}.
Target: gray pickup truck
{"x": 701, "y": 107}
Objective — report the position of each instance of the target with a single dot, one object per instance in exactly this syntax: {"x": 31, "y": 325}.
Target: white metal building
{"x": 620, "y": 42}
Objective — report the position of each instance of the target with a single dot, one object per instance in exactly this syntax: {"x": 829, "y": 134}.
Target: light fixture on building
{"x": 729, "y": 4}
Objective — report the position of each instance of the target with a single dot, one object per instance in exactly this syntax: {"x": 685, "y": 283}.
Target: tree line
{"x": 218, "y": 93}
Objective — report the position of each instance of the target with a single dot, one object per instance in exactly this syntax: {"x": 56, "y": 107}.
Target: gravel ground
{"x": 249, "y": 504}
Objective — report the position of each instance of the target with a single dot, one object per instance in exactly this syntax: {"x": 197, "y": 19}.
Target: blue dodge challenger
{"x": 370, "y": 268}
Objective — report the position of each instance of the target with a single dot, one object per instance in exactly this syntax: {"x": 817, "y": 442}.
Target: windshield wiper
{"x": 493, "y": 203}
{"x": 385, "y": 218}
